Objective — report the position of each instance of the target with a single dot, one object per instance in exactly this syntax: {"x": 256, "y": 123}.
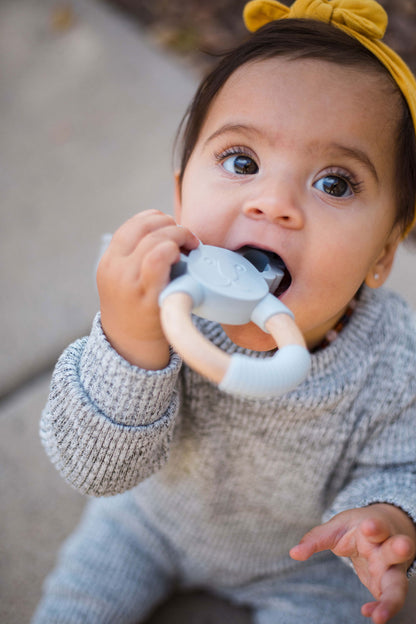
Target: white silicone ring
{"x": 271, "y": 376}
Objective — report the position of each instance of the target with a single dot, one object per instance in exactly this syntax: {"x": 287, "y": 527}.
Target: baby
{"x": 301, "y": 143}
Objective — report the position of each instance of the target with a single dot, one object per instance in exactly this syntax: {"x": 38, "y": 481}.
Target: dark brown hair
{"x": 297, "y": 39}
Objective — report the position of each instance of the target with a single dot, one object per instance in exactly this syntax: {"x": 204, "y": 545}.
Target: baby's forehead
{"x": 375, "y": 74}
{"x": 314, "y": 84}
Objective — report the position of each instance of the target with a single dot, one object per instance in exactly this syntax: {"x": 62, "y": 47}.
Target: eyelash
{"x": 236, "y": 150}
{"x": 356, "y": 186}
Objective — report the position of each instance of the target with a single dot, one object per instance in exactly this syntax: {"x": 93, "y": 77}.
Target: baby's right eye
{"x": 241, "y": 164}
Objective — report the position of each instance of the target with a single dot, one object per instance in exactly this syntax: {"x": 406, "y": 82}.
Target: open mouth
{"x": 272, "y": 267}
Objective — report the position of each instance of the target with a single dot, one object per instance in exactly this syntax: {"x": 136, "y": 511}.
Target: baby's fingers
{"x": 125, "y": 239}
{"x": 392, "y": 549}
{"x": 394, "y": 586}
{"x": 144, "y": 224}
{"x": 397, "y": 549}
{"x": 375, "y": 530}
{"x": 322, "y": 537}
{"x": 155, "y": 266}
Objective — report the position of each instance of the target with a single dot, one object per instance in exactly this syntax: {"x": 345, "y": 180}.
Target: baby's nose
{"x": 277, "y": 202}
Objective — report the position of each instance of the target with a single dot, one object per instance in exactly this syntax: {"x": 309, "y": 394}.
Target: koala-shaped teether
{"x": 234, "y": 288}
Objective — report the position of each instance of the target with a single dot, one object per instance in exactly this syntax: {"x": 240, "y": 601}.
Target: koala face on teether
{"x": 227, "y": 273}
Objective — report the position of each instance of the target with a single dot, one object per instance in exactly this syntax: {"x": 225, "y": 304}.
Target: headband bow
{"x": 368, "y": 19}
{"x": 365, "y": 20}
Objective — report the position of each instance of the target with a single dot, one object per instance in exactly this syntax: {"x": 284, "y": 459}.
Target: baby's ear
{"x": 381, "y": 268}
{"x": 177, "y": 197}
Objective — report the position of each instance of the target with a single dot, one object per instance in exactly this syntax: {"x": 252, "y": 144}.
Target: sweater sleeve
{"x": 107, "y": 424}
{"x": 385, "y": 471}
{"x": 382, "y": 447}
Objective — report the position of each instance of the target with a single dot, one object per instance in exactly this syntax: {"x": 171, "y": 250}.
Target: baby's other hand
{"x": 380, "y": 540}
{"x": 132, "y": 272}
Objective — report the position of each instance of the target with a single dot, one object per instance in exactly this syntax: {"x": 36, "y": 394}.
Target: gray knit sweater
{"x": 233, "y": 482}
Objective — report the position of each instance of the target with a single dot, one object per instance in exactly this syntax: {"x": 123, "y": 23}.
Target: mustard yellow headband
{"x": 365, "y": 20}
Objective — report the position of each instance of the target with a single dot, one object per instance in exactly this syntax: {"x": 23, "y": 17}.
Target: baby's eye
{"x": 334, "y": 185}
{"x": 240, "y": 164}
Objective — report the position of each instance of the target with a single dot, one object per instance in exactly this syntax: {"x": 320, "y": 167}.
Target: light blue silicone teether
{"x": 234, "y": 288}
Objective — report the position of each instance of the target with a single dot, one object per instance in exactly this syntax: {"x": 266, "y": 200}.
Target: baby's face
{"x": 298, "y": 157}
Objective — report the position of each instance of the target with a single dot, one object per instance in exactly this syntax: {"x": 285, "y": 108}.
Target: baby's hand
{"x": 131, "y": 274}
{"x": 380, "y": 540}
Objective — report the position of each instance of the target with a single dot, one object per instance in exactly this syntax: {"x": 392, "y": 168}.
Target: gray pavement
{"x": 88, "y": 111}
{"x": 87, "y": 120}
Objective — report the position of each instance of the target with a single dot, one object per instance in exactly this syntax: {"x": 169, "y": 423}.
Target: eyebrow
{"x": 350, "y": 152}
{"x": 232, "y": 127}
{"x": 357, "y": 155}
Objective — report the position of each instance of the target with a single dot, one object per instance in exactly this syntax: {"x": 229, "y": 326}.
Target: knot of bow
{"x": 366, "y": 18}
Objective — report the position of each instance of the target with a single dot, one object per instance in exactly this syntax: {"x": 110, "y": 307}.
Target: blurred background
{"x": 195, "y": 30}
{"x": 91, "y": 95}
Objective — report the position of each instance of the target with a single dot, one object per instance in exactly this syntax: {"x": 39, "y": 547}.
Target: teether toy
{"x": 233, "y": 288}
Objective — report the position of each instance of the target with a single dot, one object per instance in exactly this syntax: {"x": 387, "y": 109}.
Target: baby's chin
{"x": 250, "y": 336}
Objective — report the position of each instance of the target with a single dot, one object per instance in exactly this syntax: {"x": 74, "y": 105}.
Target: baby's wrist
{"x": 148, "y": 354}
{"x": 145, "y": 354}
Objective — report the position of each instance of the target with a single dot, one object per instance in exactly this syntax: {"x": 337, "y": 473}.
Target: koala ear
{"x": 381, "y": 268}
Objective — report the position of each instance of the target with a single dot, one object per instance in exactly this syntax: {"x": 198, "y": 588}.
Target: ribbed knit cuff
{"x": 127, "y": 394}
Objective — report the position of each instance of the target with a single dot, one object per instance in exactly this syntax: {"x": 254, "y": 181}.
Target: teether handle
{"x": 195, "y": 349}
{"x": 238, "y": 373}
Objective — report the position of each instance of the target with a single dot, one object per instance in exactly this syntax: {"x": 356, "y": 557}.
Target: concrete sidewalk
{"x": 88, "y": 111}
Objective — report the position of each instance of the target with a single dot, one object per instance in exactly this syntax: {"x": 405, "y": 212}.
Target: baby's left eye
{"x": 240, "y": 164}
{"x": 334, "y": 185}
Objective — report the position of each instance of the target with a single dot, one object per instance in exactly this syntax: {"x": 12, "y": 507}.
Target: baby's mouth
{"x": 272, "y": 267}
